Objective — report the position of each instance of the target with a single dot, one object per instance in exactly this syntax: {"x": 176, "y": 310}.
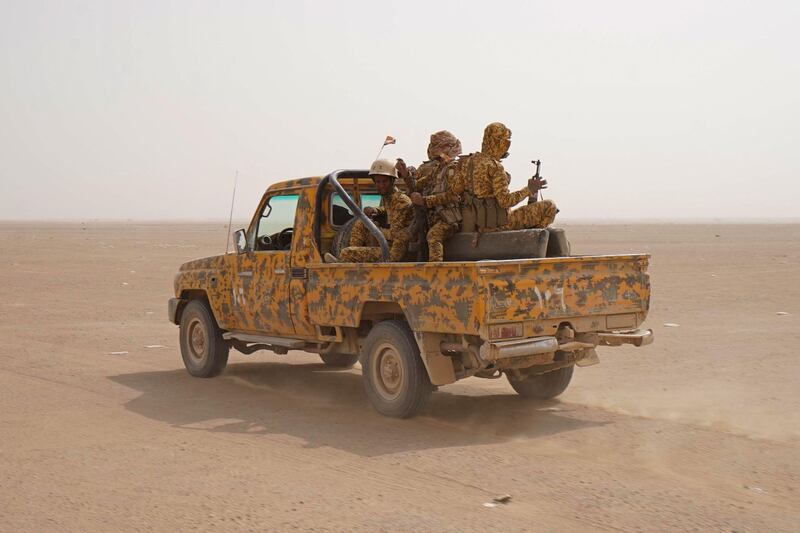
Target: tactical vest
{"x": 448, "y": 213}
{"x": 479, "y": 213}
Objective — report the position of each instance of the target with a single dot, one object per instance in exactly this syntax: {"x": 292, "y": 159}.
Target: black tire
{"x": 543, "y": 386}
{"x": 339, "y": 360}
{"x": 394, "y": 376}
{"x": 204, "y": 351}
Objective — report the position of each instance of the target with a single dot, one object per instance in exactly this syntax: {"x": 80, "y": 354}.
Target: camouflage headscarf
{"x": 444, "y": 142}
{"x": 496, "y": 140}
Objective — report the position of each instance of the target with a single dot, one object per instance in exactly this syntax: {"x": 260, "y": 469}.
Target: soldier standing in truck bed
{"x": 395, "y": 205}
{"x": 482, "y": 184}
{"x": 430, "y": 187}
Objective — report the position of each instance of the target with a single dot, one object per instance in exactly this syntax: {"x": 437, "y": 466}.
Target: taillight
{"x": 506, "y": 331}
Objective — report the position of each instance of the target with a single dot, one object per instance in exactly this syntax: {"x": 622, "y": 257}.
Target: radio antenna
{"x": 230, "y": 218}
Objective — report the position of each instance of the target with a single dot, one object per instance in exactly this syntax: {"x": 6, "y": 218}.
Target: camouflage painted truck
{"x": 529, "y": 310}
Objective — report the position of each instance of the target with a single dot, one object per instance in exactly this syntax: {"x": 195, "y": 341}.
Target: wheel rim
{"x": 197, "y": 340}
{"x": 388, "y": 372}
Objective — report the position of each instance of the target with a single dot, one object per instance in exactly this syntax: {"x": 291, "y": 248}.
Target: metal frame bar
{"x": 333, "y": 179}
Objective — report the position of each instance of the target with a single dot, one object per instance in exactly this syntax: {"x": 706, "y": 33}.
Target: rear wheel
{"x": 543, "y": 386}
{"x": 394, "y": 376}
{"x": 339, "y": 360}
{"x": 204, "y": 351}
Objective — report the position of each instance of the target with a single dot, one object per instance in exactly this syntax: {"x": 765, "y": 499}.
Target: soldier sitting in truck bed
{"x": 482, "y": 184}
{"x": 395, "y": 205}
{"x": 429, "y": 186}
{"x": 427, "y": 182}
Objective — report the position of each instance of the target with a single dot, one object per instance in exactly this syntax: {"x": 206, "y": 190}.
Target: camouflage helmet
{"x": 496, "y": 140}
{"x": 383, "y": 167}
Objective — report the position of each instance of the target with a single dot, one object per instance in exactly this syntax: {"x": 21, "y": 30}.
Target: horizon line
{"x": 567, "y": 220}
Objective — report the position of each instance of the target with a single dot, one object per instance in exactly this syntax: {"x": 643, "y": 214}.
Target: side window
{"x": 341, "y": 214}
{"x": 370, "y": 200}
{"x": 278, "y": 215}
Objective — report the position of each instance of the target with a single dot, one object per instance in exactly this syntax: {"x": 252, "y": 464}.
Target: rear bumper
{"x": 499, "y": 350}
{"x": 173, "y": 308}
{"x": 636, "y": 337}
{"x": 494, "y": 351}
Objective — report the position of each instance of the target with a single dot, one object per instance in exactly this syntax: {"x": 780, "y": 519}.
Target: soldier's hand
{"x": 417, "y": 199}
{"x": 370, "y": 212}
{"x": 402, "y": 169}
{"x": 536, "y": 184}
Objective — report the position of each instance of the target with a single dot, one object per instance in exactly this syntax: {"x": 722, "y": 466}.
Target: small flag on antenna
{"x": 389, "y": 140}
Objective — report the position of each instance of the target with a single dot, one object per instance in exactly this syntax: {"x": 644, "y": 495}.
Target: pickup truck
{"x": 526, "y": 308}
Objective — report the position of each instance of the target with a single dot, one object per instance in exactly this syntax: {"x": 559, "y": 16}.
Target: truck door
{"x": 261, "y": 287}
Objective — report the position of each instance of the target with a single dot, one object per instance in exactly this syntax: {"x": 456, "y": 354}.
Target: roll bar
{"x": 333, "y": 179}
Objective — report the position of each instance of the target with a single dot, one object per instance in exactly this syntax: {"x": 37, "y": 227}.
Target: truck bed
{"x": 593, "y": 293}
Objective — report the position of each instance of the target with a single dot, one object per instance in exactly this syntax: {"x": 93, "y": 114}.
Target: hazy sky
{"x": 139, "y": 109}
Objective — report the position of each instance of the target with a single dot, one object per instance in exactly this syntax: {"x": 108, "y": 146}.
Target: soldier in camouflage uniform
{"x": 430, "y": 187}
{"x": 482, "y": 184}
{"x": 363, "y": 247}
{"x": 360, "y": 235}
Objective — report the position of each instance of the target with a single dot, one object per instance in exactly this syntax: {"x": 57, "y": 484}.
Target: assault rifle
{"x": 536, "y": 176}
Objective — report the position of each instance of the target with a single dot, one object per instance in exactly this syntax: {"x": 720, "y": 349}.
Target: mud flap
{"x": 439, "y": 366}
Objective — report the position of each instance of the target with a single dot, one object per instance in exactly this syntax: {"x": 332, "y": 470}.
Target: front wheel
{"x": 543, "y": 386}
{"x": 394, "y": 376}
{"x": 204, "y": 351}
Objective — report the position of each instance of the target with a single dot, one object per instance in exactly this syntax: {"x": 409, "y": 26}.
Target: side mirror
{"x": 240, "y": 241}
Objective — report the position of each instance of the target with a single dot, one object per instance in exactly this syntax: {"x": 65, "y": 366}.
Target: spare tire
{"x": 543, "y": 386}
{"x": 339, "y": 360}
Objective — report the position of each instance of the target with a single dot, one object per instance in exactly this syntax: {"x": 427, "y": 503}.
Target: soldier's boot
{"x": 330, "y": 258}
{"x": 435, "y": 251}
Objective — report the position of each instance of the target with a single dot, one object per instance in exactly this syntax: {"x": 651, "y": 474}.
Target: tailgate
{"x": 592, "y": 292}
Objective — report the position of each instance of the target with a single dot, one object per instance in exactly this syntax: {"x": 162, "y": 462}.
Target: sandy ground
{"x": 700, "y": 431}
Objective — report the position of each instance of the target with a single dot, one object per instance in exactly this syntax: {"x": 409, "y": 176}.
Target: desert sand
{"x": 699, "y": 431}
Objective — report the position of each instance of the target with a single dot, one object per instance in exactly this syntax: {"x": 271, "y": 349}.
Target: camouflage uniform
{"x": 482, "y": 184}
{"x": 363, "y": 245}
{"x": 361, "y": 236}
{"x": 539, "y": 214}
{"x": 433, "y": 179}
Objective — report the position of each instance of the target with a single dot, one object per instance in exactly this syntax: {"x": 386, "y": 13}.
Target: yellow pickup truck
{"x": 526, "y": 309}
